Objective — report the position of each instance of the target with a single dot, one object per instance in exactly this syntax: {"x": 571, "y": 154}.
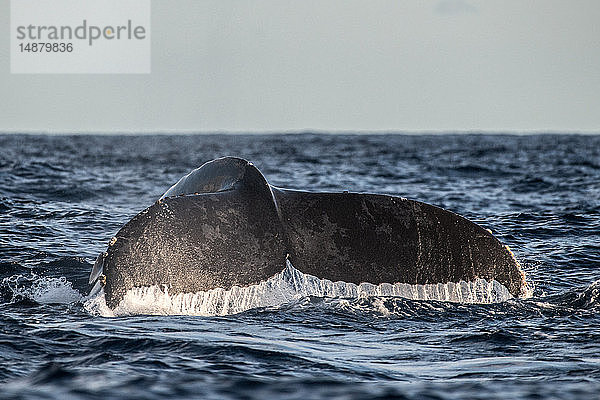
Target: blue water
{"x": 63, "y": 197}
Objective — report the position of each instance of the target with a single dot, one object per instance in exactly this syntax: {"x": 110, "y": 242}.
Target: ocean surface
{"x": 63, "y": 197}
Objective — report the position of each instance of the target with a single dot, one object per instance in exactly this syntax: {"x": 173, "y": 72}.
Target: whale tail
{"x": 223, "y": 225}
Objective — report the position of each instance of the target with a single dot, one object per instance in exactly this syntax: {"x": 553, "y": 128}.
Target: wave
{"x": 284, "y": 287}
{"x": 589, "y": 298}
{"x": 41, "y": 289}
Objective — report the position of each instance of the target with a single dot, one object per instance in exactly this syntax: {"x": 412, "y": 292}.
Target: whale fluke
{"x": 223, "y": 225}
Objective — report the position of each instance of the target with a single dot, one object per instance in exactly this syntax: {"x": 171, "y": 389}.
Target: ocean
{"x": 63, "y": 197}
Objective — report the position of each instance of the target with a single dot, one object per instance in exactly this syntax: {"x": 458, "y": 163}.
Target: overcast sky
{"x": 509, "y": 65}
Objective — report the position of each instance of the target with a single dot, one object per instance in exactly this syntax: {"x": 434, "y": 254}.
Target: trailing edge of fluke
{"x": 223, "y": 225}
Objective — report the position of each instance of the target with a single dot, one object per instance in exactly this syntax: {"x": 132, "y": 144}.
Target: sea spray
{"x": 288, "y": 285}
{"x": 41, "y": 289}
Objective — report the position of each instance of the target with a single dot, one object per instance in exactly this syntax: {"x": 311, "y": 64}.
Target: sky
{"x": 321, "y": 65}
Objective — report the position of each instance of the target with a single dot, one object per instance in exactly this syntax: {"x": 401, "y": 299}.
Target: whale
{"x": 223, "y": 225}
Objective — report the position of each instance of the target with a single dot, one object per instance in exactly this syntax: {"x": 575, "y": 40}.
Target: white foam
{"x": 42, "y": 289}
{"x": 286, "y": 286}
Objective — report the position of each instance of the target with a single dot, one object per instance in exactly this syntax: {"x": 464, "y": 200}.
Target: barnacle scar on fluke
{"x": 225, "y": 226}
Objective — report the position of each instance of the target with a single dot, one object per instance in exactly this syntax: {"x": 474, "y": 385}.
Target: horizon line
{"x": 186, "y": 132}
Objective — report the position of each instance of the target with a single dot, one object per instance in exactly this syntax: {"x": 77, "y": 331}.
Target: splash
{"x": 41, "y": 289}
{"x": 286, "y": 286}
{"x": 589, "y": 298}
